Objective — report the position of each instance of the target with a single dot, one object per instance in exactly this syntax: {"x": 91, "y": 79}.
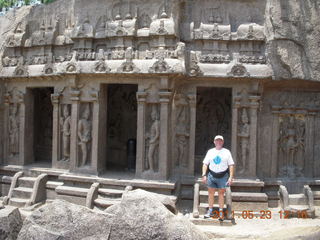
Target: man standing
{"x": 220, "y": 166}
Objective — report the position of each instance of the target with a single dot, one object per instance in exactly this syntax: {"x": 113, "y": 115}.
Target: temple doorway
{"x": 42, "y": 122}
{"x": 213, "y": 118}
{"x": 121, "y": 127}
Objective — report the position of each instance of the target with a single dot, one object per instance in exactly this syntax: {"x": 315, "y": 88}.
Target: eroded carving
{"x": 153, "y": 139}
{"x": 238, "y": 70}
{"x": 291, "y": 145}
{"x": 14, "y": 127}
{"x": 182, "y": 130}
{"x": 65, "y": 123}
{"x": 84, "y": 134}
{"x": 244, "y": 134}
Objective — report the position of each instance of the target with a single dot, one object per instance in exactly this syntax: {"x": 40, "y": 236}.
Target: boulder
{"x": 10, "y": 223}
{"x": 141, "y": 215}
{"x": 63, "y": 220}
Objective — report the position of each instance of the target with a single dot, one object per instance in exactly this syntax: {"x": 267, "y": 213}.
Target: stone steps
{"x": 104, "y": 203}
{"x": 110, "y": 193}
{"x": 298, "y": 199}
{"x": 238, "y": 196}
{"x": 22, "y": 192}
{"x": 18, "y": 202}
{"x": 26, "y": 182}
{"x": 72, "y": 191}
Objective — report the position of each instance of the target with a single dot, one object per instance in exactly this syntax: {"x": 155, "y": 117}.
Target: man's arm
{"x": 231, "y": 169}
{"x": 204, "y": 171}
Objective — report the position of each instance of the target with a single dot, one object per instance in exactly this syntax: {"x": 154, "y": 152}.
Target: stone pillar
{"x": 56, "y": 149}
{"x": 309, "y": 171}
{"x": 193, "y": 111}
{"x": 234, "y": 134}
{"x": 141, "y": 115}
{"x": 274, "y": 142}
{"x": 6, "y": 128}
{"x": 252, "y": 164}
{"x": 164, "y": 135}
{"x": 75, "y": 99}
{"x": 95, "y": 133}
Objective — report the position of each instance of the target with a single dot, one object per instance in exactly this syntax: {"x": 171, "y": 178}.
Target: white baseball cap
{"x": 218, "y": 137}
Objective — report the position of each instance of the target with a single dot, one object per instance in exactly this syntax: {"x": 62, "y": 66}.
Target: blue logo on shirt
{"x": 217, "y": 160}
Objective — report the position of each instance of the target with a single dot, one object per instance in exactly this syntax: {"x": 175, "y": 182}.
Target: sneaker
{"x": 209, "y": 214}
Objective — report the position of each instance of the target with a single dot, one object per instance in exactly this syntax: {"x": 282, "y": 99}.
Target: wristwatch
{"x": 203, "y": 175}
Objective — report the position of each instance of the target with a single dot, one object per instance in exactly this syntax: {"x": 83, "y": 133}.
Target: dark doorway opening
{"x": 42, "y": 120}
{"x": 121, "y": 127}
{"x": 213, "y": 118}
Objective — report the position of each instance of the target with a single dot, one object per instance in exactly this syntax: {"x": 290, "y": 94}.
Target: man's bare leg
{"x": 221, "y": 202}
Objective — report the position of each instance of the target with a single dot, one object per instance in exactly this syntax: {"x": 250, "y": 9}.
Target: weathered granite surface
{"x": 10, "y": 223}
{"x": 63, "y": 220}
{"x": 140, "y": 215}
{"x": 293, "y": 38}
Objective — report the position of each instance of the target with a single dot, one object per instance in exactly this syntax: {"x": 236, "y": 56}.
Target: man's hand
{"x": 204, "y": 179}
{"x": 230, "y": 180}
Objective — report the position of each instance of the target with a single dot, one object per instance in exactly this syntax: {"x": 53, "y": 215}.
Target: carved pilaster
{"x": 141, "y": 112}
{"x": 309, "y": 171}
{"x": 275, "y": 136}
{"x": 75, "y": 99}
{"x": 254, "y": 105}
{"x": 56, "y": 150}
{"x": 193, "y": 110}
{"x": 234, "y": 134}
{"x": 165, "y": 98}
{"x": 95, "y": 131}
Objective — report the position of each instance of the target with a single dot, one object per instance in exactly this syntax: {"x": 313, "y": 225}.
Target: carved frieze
{"x": 16, "y": 39}
{"x": 215, "y": 58}
{"x": 238, "y": 70}
{"x": 160, "y": 66}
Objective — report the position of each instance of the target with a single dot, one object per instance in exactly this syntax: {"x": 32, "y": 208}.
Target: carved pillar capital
{"x": 55, "y": 98}
{"x": 141, "y": 97}
{"x": 75, "y": 95}
{"x": 254, "y": 101}
{"x": 94, "y": 94}
{"x": 237, "y": 102}
{"x": 192, "y": 100}
{"x": 165, "y": 97}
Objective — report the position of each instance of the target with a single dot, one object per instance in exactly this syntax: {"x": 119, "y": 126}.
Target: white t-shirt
{"x": 219, "y": 159}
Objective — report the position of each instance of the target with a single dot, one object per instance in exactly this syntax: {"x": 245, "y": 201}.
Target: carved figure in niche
{"x": 14, "y": 130}
{"x": 180, "y": 51}
{"x": 291, "y": 143}
{"x": 244, "y": 141}
{"x": 154, "y": 138}
{"x": 84, "y": 134}
{"x": 65, "y": 122}
{"x": 194, "y": 67}
{"x": 182, "y": 130}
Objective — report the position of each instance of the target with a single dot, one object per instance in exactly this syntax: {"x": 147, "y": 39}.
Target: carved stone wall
{"x": 288, "y": 146}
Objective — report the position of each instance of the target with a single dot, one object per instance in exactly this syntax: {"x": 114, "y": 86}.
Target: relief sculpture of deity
{"x": 244, "y": 141}
{"x": 14, "y": 130}
{"x": 84, "y": 134}
{"x": 182, "y": 134}
{"x": 154, "y": 138}
{"x": 66, "y": 132}
{"x": 291, "y": 144}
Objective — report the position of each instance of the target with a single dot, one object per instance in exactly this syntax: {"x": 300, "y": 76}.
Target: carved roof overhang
{"x": 154, "y": 66}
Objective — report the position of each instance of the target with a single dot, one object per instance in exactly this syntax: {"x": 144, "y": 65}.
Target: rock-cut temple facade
{"x": 106, "y": 90}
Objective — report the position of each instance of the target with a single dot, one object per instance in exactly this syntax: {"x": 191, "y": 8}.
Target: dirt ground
{"x": 276, "y": 228}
